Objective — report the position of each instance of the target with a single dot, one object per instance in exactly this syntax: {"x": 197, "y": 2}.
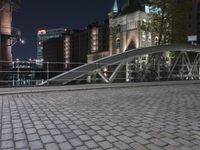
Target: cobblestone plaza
{"x": 135, "y": 118}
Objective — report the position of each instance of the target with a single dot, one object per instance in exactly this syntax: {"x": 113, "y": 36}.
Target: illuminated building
{"x": 43, "y": 35}
{"x": 127, "y": 27}
{"x": 126, "y": 30}
{"x": 99, "y": 40}
{"x": 56, "y": 52}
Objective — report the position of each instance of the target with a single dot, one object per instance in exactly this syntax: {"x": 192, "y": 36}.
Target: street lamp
{"x": 22, "y": 41}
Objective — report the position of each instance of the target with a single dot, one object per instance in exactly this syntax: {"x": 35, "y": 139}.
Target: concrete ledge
{"x": 23, "y": 90}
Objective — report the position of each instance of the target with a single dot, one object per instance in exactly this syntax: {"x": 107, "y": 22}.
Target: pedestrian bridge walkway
{"x": 120, "y": 59}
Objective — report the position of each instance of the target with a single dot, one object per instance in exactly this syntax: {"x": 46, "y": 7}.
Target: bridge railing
{"x": 33, "y": 73}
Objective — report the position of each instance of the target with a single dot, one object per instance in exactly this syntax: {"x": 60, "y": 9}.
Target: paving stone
{"x": 43, "y": 132}
{"x": 96, "y": 128}
{"x": 128, "y": 133}
{"x": 111, "y": 139}
{"x": 78, "y": 132}
{"x": 144, "y": 135}
{"x": 52, "y": 146}
{"x": 125, "y": 139}
{"x": 47, "y": 139}
{"x": 6, "y": 131}
{"x": 185, "y": 142}
{"x": 30, "y": 131}
{"x": 33, "y": 137}
{"x": 81, "y": 148}
{"x": 118, "y": 128}
{"x": 7, "y": 144}
{"x": 84, "y": 137}
{"x": 113, "y": 148}
{"x": 36, "y": 145}
{"x": 18, "y": 130}
{"x": 90, "y": 132}
{"x": 170, "y": 141}
{"x": 98, "y": 138}
{"x": 59, "y": 138}
{"x": 20, "y": 136}
{"x": 91, "y": 144}
{"x": 138, "y": 146}
{"x": 122, "y": 145}
{"x": 185, "y": 148}
{"x": 114, "y": 132}
{"x": 158, "y": 142}
{"x": 153, "y": 147}
{"x": 195, "y": 147}
{"x": 76, "y": 142}
{"x": 6, "y": 136}
{"x": 21, "y": 144}
{"x": 65, "y": 146}
{"x": 140, "y": 140}
{"x": 105, "y": 144}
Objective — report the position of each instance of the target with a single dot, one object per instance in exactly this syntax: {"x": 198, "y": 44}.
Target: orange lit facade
{"x": 5, "y": 37}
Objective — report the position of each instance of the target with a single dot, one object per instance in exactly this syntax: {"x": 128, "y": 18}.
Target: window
{"x": 118, "y": 44}
{"x": 118, "y": 28}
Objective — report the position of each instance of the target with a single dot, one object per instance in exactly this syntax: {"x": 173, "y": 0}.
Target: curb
{"x": 101, "y": 86}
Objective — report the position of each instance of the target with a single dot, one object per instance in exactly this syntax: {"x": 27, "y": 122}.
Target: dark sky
{"x": 35, "y": 14}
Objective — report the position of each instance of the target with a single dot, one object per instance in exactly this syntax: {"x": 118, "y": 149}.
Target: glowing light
{"x": 43, "y": 31}
{"x": 22, "y": 41}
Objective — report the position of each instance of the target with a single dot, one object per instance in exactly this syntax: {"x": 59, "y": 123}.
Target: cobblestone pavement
{"x": 142, "y": 118}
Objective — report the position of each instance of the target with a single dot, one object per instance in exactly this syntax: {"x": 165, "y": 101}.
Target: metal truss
{"x": 187, "y": 69}
{"x": 126, "y": 61}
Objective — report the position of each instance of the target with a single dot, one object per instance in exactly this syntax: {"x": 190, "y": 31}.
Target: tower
{"x": 114, "y": 10}
{"x": 7, "y": 34}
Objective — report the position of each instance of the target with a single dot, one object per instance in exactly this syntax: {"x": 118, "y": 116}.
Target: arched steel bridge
{"x": 122, "y": 59}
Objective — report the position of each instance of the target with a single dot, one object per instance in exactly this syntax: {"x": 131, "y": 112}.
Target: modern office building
{"x": 56, "y": 54}
{"x": 67, "y": 51}
{"x": 43, "y": 35}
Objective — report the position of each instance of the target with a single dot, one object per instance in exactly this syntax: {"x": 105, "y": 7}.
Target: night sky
{"x": 36, "y": 14}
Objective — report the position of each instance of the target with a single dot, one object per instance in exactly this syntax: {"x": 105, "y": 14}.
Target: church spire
{"x": 115, "y": 8}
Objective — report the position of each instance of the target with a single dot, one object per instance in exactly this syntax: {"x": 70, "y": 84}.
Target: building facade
{"x": 126, "y": 30}
{"x": 56, "y": 54}
{"x": 79, "y": 47}
{"x": 68, "y": 51}
{"x": 43, "y": 35}
{"x": 98, "y": 40}
{"x": 196, "y": 10}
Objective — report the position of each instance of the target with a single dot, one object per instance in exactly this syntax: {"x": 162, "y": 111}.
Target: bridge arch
{"x": 121, "y": 59}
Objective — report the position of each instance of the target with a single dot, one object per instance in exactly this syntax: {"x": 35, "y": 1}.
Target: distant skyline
{"x": 36, "y": 14}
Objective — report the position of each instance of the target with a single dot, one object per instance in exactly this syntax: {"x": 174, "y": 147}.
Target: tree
{"x": 16, "y": 4}
{"x": 168, "y": 20}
